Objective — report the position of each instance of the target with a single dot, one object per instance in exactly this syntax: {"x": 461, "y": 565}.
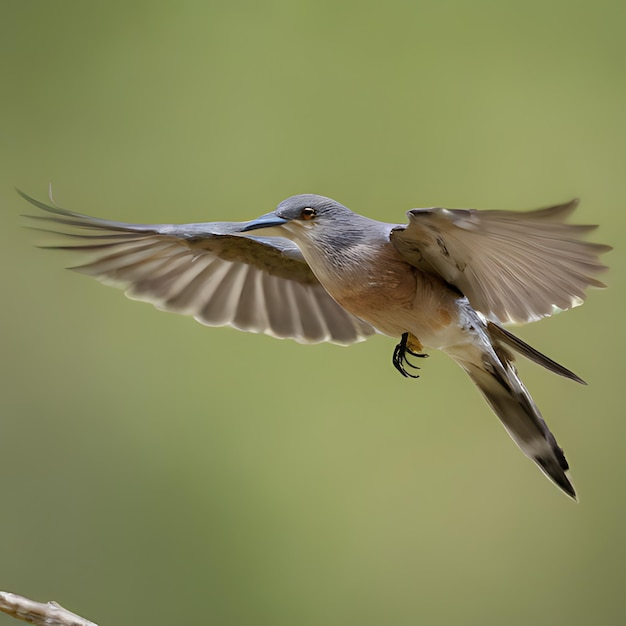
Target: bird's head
{"x": 301, "y": 217}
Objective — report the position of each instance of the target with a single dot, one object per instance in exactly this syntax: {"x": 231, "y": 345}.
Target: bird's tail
{"x": 494, "y": 374}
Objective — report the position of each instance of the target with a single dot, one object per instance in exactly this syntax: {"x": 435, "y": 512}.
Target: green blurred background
{"x": 155, "y": 471}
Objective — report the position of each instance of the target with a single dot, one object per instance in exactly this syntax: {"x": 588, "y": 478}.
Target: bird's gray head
{"x": 313, "y": 220}
{"x": 311, "y": 208}
{"x": 327, "y": 233}
{"x": 304, "y": 211}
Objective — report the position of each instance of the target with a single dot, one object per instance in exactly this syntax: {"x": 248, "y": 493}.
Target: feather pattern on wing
{"x": 512, "y": 266}
{"x": 209, "y": 271}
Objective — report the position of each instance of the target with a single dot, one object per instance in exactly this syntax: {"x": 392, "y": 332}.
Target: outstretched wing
{"x": 209, "y": 271}
{"x": 512, "y": 266}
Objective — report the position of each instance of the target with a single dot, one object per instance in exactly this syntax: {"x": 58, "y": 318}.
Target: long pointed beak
{"x": 269, "y": 220}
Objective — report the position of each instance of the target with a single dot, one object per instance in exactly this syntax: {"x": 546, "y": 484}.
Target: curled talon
{"x": 400, "y": 360}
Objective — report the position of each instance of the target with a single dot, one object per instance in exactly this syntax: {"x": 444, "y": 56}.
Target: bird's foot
{"x": 409, "y": 345}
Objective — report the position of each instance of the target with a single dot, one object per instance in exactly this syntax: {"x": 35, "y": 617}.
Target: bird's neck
{"x": 355, "y": 266}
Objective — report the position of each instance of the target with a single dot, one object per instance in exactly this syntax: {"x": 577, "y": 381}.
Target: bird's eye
{"x": 307, "y": 213}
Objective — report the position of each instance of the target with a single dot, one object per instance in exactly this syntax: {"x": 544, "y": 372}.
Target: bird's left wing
{"x": 512, "y": 266}
{"x": 210, "y": 271}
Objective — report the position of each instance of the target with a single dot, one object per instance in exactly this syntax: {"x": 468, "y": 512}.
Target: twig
{"x": 49, "y": 614}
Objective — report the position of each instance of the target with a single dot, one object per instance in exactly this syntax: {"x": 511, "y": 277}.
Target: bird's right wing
{"x": 209, "y": 271}
{"x": 513, "y": 266}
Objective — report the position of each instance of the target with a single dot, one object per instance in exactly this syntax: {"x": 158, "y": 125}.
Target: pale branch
{"x": 48, "y": 614}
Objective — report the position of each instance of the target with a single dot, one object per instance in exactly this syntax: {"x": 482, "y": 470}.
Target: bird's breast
{"x": 381, "y": 288}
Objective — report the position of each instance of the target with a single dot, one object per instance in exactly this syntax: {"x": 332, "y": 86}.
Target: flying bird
{"x": 314, "y": 271}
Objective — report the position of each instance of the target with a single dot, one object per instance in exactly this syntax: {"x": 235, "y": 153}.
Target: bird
{"x": 314, "y": 271}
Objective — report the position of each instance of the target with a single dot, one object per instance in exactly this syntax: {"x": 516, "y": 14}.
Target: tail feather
{"x": 500, "y": 334}
{"x": 496, "y": 378}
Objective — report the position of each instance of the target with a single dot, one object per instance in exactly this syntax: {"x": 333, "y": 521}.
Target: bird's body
{"x": 447, "y": 280}
{"x": 373, "y": 282}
